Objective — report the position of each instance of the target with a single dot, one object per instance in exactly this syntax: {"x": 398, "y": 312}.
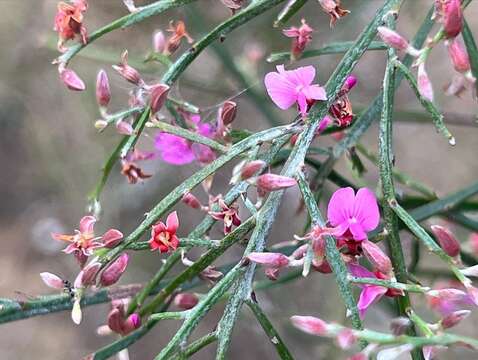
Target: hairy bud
{"x": 273, "y": 182}
{"x": 377, "y": 257}
{"x": 186, "y": 301}
{"x": 72, "y": 80}
{"x": 251, "y": 168}
{"x": 113, "y": 272}
{"x": 447, "y": 240}
{"x": 276, "y": 260}
{"x": 103, "y": 93}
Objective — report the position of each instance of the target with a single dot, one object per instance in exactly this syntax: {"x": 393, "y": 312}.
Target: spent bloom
{"x": 128, "y": 72}
{"x": 229, "y": 214}
{"x": 178, "y": 33}
{"x": 333, "y": 8}
{"x": 83, "y": 243}
{"x": 163, "y": 236}
{"x": 341, "y": 110}
{"x": 354, "y": 214}
{"x": 69, "y": 22}
{"x": 301, "y": 36}
{"x": 287, "y": 87}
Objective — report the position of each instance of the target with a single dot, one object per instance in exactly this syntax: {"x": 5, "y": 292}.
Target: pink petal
{"x": 111, "y": 237}
{"x": 341, "y": 206}
{"x": 301, "y": 76}
{"x": 369, "y": 295}
{"x": 366, "y": 209}
{"x": 315, "y": 92}
{"x": 302, "y": 102}
{"x": 70, "y": 248}
{"x": 87, "y": 224}
{"x": 281, "y": 91}
{"x": 51, "y": 280}
{"x": 172, "y": 222}
{"x": 359, "y": 271}
{"x": 174, "y": 149}
{"x": 357, "y": 231}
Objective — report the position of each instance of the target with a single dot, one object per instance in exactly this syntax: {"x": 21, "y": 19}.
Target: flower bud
{"x": 447, "y": 240}
{"x": 103, "y": 93}
{"x": 276, "y": 260}
{"x": 349, "y": 83}
{"x": 101, "y": 124}
{"x": 113, "y": 272}
{"x": 51, "y": 280}
{"x": 111, "y": 238}
{"x": 88, "y": 274}
{"x": 128, "y": 72}
{"x": 310, "y": 325}
{"x": 228, "y": 112}
{"x": 159, "y": 41}
{"x": 392, "y": 38}
{"x": 72, "y": 80}
{"x": 186, "y": 301}
{"x": 115, "y": 320}
{"x": 191, "y": 201}
{"x": 424, "y": 84}
{"x": 272, "y": 182}
{"x": 377, "y": 257}
{"x": 159, "y": 94}
{"x": 452, "y": 18}
{"x": 124, "y": 128}
{"x": 454, "y": 318}
{"x": 251, "y": 168}
{"x": 458, "y": 55}
{"x": 131, "y": 323}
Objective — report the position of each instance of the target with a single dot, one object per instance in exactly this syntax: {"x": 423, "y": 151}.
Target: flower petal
{"x": 87, "y": 224}
{"x": 174, "y": 149}
{"x": 369, "y": 295}
{"x": 172, "y": 222}
{"x": 366, "y": 209}
{"x": 357, "y": 231}
{"x": 281, "y": 91}
{"x": 341, "y": 206}
{"x": 301, "y": 76}
{"x": 315, "y": 92}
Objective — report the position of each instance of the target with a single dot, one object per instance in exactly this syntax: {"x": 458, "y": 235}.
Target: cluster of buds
{"x": 333, "y": 8}
{"x": 301, "y": 36}
{"x": 168, "y": 46}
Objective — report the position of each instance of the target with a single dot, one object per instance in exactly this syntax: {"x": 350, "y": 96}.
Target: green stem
{"x": 291, "y": 8}
{"x": 197, "y": 345}
{"x": 391, "y": 284}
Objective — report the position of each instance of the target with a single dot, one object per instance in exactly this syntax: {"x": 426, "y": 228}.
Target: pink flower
{"x": 228, "y": 214}
{"x": 83, "y": 243}
{"x": 163, "y": 236}
{"x": 301, "y": 37}
{"x": 458, "y": 55}
{"x": 286, "y": 87}
{"x": 178, "y": 151}
{"x": 310, "y": 325}
{"x": 357, "y": 214}
{"x": 451, "y": 15}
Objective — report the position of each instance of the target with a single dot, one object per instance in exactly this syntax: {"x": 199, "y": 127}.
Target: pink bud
{"x": 51, "y": 280}
{"x": 276, "y": 260}
{"x": 392, "y": 38}
{"x": 129, "y": 73}
{"x": 159, "y": 41}
{"x": 458, "y": 56}
{"x": 72, "y": 80}
{"x": 131, "y": 323}
{"x": 454, "y": 318}
{"x": 88, "y": 276}
{"x": 191, "y": 201}
{"x": 159, "y": 94}
{"x": 111, "y": 238}
{"x": 103, "y": 93}
{"x": 251, "y": 168}
{"x": 228, "y": 112}
{"x": 124, "y": 128}
{"x": 113, "y": 272}
{"x": 452, "y": 17}
{"x": 310, "y": 325}
{"x": 346, "y": 338}
{"x": 424, "y": 84}
{"x": 115, "y": 320}
{"x": 272, "y": 182}
{"x": 349, "y": 83}
{"x": 377, "y": 257}
{"x": 447, "y": 240}
{"x": 186, "y": 301}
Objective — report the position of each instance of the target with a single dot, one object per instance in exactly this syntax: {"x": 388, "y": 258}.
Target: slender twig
{"x": 390, "y": 284}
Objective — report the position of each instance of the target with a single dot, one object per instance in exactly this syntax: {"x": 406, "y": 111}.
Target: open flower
{"x": 83, "y": 243}
{"x": 301, "y": 36}
{"x": 69, "y": 22}
{"x": 287, "y": 87}
{"x": 163, "y": 236}
{"x": 176, "y": 150}
{"x": 354, "y": 214}
{"x": 228, "y": 214}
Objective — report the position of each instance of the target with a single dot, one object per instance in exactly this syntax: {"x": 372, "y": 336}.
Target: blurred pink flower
{"x": 286, "y": 87}
{"x": 301, "y": 36}
{"x": 357, "y": 214}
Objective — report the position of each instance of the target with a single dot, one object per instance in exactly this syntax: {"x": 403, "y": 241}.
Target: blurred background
{"x": 52, "y": 156}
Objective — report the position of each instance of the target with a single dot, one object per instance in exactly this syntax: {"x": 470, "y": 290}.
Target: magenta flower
{"x": 178, "y": 151}
{"x": 286, "y": 87}
{"x": 354, "y": 213}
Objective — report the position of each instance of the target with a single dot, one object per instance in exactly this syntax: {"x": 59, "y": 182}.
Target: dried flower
{"x": 333, "y": 8}
{"x": 132, "y": 172}
{"x": 273, "y": 182}
{"x": 159, "y": 95}
{"x": 186, "y": 301}
{"x": 163, "y": 236}
{"x": 103, "y": 93}
{"x": 128, "y": 72}
{"x": 227, "y": 112}
{"x": 228, "y": 214}
{"x": 69, "y": 22}
{"x": 113, "y": 272}
{"x": 72, "y": 80}
{"x": 287, "y": 87}
{"x": 179, "y": 32}
{"x": 301, "y": 35}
